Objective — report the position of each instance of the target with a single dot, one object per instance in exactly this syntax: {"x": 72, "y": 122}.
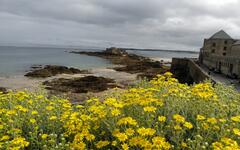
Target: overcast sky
{"x": 163, "y": 24}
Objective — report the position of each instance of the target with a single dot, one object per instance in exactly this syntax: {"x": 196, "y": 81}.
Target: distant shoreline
{"x": 97, "y": 48}
{"x": 178, "y": 51}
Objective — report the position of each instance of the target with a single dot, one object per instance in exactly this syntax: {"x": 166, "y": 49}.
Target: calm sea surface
{"x": 17, "y": 60}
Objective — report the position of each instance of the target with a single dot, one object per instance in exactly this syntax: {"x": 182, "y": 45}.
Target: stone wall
{"x": 188, "y": 71}
{"x": 227, "y": 65}
{"x": 217, "y": 46}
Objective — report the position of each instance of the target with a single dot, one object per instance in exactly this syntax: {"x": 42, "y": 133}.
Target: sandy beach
{"x": 21, "y": 82}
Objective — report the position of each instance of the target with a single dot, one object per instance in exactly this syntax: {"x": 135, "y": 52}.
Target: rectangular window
{"x": 214, "y": 44}
{"x": 213, "y": 50}
{"x": 224, "y": 54}
{"x": 225, "y": 48}
{"x": 225, "y": 42}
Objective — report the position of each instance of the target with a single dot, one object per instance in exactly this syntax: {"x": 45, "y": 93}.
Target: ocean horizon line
{"x": 98, "y": 48}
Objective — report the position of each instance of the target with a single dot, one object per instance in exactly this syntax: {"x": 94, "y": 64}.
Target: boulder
{"x": 52, "y": 70}
{"x": 3, "y": 90}
{"x": 80, "y": 85}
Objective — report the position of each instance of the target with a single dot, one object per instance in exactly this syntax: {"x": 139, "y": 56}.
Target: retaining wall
{"x": 186, "y": 70}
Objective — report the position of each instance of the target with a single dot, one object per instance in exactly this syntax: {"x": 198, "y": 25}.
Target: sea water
{"x": 18, "y": 60}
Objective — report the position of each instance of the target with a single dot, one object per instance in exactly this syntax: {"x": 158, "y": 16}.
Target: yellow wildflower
{"x": 146, "y": 131}
{"x": 177, "y": 127}
{"x": 114, "y": 143}
{"x": 34, "y": 112}
{"x": 129, "y": 131}
{"x": 89, "y": 137}
{"x": 184, "y": 145}
{"x": 125, "y": 147}
{"x": 236, "y": 131}
{"x": 102, "y": 144}
{"x": 212, "y": 120}
{"x": 20, "y": 142}
{"x": 162, "y": 118}
{"x": 49, "y": 108}
{"x": 115, "y": 112}
{"x": 200, "y": 117}
{"x": 236, "y": 118}
{"x": 188, "y": 125}
{"x": 179, "y": 118}
{"x": 5, "y": 137}
{"x": 127, "y": 120}
{"x": 32, "y": 120}
{"x": 121, "y": 137}
{"x": 149, "y": 109}
{"x": 53, "y": 118}
{"x": 160, "y": 143}
{"x": 44, "y": 136}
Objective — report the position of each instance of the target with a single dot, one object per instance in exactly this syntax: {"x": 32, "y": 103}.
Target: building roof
{"x": 221, "y": 35}
{"x": 237, "y": 42}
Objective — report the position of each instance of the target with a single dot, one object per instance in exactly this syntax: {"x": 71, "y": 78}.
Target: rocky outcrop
{"x": 116, "y": 51}
{"x": 3, "y": 90}
{"x": 81, "y": 85}
{"x": 52, "y": 70}
{"x": 132, "y": 63}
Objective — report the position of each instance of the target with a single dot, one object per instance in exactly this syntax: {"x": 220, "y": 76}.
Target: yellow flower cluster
{"x": 161, "y": 114}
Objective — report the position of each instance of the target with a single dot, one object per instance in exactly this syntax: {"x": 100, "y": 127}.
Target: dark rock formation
{"x": 3, "y": 90}
{"x": 81, "y": 85}
{"x": 116, "y": 51}
{"x": 51, "y": 70}
{"x": 34, "y": 67}
{"x": 132, "y": 63}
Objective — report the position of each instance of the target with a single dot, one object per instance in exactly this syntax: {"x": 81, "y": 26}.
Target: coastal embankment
{"x": 186, "y": 70}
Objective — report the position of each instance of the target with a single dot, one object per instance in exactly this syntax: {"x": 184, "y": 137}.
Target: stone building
{"x": 221, "y": 53}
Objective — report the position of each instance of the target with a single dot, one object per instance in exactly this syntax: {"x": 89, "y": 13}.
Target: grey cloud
{"x": 169, "y": 24}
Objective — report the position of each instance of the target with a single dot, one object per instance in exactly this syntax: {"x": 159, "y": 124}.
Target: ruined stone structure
{"x": 221, "y": 53}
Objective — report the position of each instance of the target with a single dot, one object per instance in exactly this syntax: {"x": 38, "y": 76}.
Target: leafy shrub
{"x": 160, "y": 114}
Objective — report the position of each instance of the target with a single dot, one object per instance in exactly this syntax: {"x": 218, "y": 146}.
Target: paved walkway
{"x": 222, "y": 78}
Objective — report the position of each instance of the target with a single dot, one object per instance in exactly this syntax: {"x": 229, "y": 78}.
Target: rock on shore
{"x": 81, "y": 85}
{"x": 132, "y": 63}
{"x": 52, "y": 70}
{"x": 3, "y": 90}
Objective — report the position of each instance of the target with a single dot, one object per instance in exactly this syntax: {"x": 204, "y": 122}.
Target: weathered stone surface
{"x": 51, "y": 70}
{"x": 81, "y": 85}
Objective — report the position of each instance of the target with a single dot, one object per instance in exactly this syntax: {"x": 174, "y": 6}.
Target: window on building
{"x": 224, "y": 54}
{"x": 214, "y": 44}
{"x": 225, "y": 48}
{"x": 225, "y": 42}
{"x": 213, "y": 50}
